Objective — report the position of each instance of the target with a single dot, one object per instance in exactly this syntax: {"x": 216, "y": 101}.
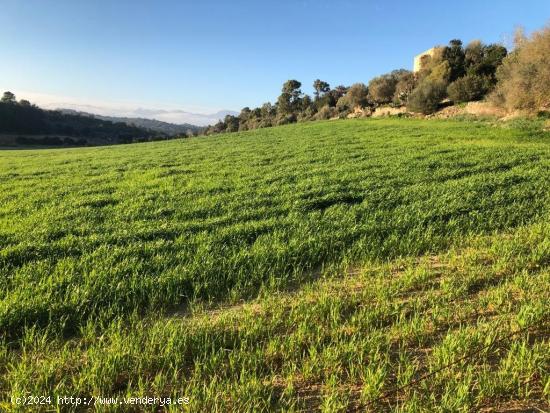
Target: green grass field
{"x": 359, "y": 265}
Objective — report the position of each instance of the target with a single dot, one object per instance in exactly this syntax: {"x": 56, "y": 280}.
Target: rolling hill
{"x": 23, "y": 124}
{"x": 164, "y": 128}
{"x": 357, "y": 265}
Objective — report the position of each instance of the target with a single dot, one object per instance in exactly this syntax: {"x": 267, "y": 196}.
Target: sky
{"x": 169, "y": 57}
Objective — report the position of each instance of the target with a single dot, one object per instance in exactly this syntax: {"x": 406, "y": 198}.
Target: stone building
{"x": 418, "y": 58}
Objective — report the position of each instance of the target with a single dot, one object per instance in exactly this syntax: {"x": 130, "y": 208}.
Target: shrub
{"x": 231, "y": 123}
{"x": 435, "y": 68}
{"x": 454, "y": 56}
{"x": 391, "y": 87}
{"x": 326, "y": 112}
{"x": 468, "y": 88}
{"x": 357, "y": 95}
{"x": 426, "y": 97}
{"x": 403, "y": 88}
{"x": 382, "y": 88}
{"x": 344, "y": 114}
{"x": 440, "y": 73}
{"x": 306, "y": 114}
{"x": 524, "y": 76}
{"x": 483, "y": 60}
{"x": 286, "y": 119}
{"x": 342, "y": 104}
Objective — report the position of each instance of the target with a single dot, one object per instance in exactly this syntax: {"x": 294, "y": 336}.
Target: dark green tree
{"x": 426, "y": 97}
{"x": 356, "y": 96}
{"x": 231, "y": 123}
{"x": 268, "y": 110}
{"x": 308, "y": 109}
{"x": 268, "y": 113}
{"x": 244, "y": 117}
{"x": 8, "y": 97}
{"x": 331, "y": 97}
{"x": 321, "y": 87}
{"x": 382, "y": 89}
{"x": 483, "y": 60}
{"x": 454, "y": 54}
{"x": 406, "y": 82}
{"x": 469, "y": 88}
{"x": 289, "y": 101}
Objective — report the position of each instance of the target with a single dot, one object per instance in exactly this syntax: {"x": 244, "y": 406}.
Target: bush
{"x": 344, "y": 114}
{"x": 426, "y": 97}
{"x": 392, "y": 87}
{"x": 286, "y": 119}
{"x": 342, "y": 104}
{"x": 357, "y": 95}
{"x": 468, "y": 88}
{"x": 382, "y": 88}
{"x": 483, "y": 60}
{"x": 306, "y": 114}
{"x": 524, "y": 76}
{"x": 403, "y": 88}
{"x": 326, "y": 112}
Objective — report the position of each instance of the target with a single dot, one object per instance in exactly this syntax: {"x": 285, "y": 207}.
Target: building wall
{"x": 418, "y": 58}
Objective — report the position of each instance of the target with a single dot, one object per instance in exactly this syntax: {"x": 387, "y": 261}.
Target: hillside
{"x": 164, "y": 128}
{"x": 382, "y": 264}
{"x": 23, "y": 124}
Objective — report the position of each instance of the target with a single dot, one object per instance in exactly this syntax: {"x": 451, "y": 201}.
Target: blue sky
{"x": 207, "y": 55}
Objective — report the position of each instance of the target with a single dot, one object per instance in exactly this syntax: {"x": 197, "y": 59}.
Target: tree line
{"x": 25, "y": 119}
{"x": 519, "y": 79}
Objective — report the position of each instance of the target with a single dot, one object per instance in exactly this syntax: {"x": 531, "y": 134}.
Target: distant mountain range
{"x": 182, "y": 117}
{"x": 172, "y": 116}
{"x": 166, "y": 128}
{"x": 25, "y": 124}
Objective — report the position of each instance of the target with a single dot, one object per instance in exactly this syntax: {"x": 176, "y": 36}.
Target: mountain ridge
{"x": 172, "y": 116}
{"x": 168, "y": 128}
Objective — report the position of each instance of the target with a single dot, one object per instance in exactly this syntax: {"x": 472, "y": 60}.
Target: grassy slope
{"x": 89, "y": 237}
